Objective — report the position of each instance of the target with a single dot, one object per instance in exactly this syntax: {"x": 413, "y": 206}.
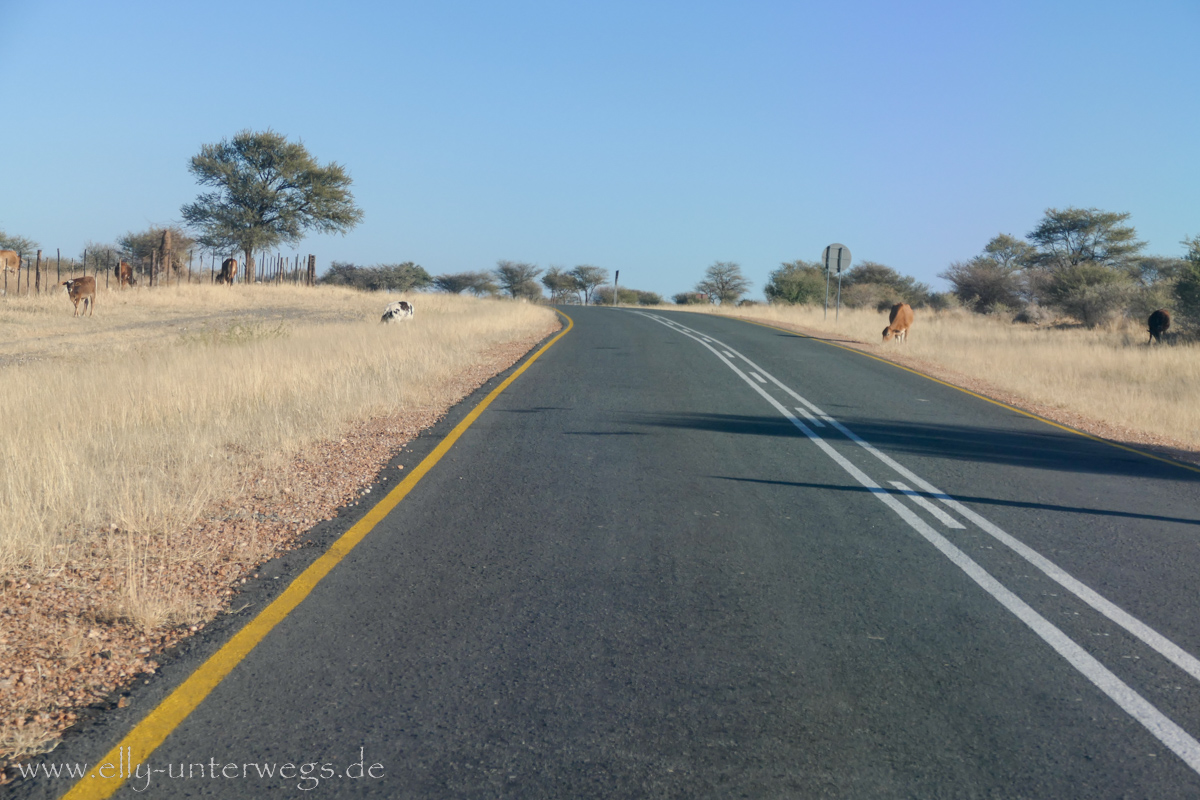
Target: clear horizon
{"x": 653, "y": 139}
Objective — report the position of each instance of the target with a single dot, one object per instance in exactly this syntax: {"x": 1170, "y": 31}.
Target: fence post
{"x": 107, "y": 267}
{"x": 37, "y": 277}
{"x": 58, "y": 262}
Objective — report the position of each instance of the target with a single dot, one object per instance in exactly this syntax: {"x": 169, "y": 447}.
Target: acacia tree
{"x": 724, "y": 281}
{"x": 20, "y": 244}
{"x": 1082, "y": 262}
{"x": 142, "y": 248}
{"x": 1009, "y": 252}
{"x": 1075, "y": 236}
{"x": 518, "y": 279}
{"x": 588, "y": 278}
{"x": 480, "y": 283}
{"x": 564, "y": 286}
{"x": 994, "y": 278}
{"x": 267, "y": 191}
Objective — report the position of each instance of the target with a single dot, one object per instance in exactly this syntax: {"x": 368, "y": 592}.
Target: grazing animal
{"x": 228, "y": 270}
{"x": 9, "y": 260}
{"x": 125, "y": 275}
{"x": 82, "y": 289}
{"x": 1158, "y": 323}
{"x": 899, "y": 321}
{"x": 397, "y": 311}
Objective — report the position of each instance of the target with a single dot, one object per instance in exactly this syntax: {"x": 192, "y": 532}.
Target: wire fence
{"x": 40, "y": 274}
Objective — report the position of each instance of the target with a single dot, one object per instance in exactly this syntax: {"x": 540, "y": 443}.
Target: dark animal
{"x": 125, "y": 275}
{"x": 228, "y": 270}
{"x": 1158, "y": 323}
{"x": 899, "y": 321}
{"x": 82, "y": 289}
{"x": 397, "y": 311}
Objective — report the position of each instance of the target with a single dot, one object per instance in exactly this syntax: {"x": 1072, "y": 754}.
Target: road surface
{"x": 687, "y": 556}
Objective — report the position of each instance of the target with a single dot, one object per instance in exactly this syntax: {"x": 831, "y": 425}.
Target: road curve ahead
{"x": 685, "y": 556}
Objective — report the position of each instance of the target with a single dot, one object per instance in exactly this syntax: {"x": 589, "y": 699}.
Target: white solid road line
{"x": 1152, "y": 638}
{"x": 1158, "y": 724}
{"x": 941, "y": 516}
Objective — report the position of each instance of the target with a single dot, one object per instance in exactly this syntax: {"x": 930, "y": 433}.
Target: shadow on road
{"x": 991, "y": 501}
{"x": 1048, "y": 449}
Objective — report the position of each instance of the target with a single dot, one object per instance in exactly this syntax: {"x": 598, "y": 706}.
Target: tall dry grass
{"x": 1108, "y": 374}
{"x": 140, "y": 416}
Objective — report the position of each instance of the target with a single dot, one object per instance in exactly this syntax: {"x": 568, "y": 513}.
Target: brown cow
{"x": 82, "y": 289}
{"x": 899, "y": 321}
{"x": 1158, "y": 323}
{"x": 228, "y": 270}
{"x": 10, "y": 261}
{"x": 125, "y": 275}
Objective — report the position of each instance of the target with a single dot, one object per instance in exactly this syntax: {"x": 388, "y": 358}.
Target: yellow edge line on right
{"x": 1030, "y": 414}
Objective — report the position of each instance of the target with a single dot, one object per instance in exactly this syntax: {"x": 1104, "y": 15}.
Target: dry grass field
{"x": 155, "y": 452}
{"x": 1105, "y": 380}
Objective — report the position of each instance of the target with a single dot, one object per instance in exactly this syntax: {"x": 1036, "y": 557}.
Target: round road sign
{"x": 836, "y": 258}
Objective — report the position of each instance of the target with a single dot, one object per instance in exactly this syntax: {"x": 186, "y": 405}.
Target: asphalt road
{"x": 685, "y": 556}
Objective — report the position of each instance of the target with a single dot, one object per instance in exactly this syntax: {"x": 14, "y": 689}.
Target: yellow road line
{"x": 158, "y": 724}
{"x": 1021, "y": 411}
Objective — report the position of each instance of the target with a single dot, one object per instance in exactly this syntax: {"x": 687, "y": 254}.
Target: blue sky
{"x": 653, "y": 138}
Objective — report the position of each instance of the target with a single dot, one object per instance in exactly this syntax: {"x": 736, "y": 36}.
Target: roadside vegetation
{"x": 158, "y": 451}
{"x": 151, "y": 409}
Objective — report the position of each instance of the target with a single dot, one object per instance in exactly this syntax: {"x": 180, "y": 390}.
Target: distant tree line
{"x": 582, "y": 285}
{"x": 868, "y": 284}
{"x": 1084, "y": 263}
{"x": 379, "y": 278}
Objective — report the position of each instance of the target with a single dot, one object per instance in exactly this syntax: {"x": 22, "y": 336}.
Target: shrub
{"x": 1091, "y": 293}
{"x": 1187, "y": 288}
{"x": 603, "y": 295}
{"x": 1034, "y": 314}
{"x": 869, "y": 295}
{"x": 796, "y": 282}
{"x": 983, "y": 283}
{"x": 943, "y": 301}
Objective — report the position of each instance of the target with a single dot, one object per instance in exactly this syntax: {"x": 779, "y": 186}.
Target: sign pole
{"x": 826, "y": 284}
{"x": 836, "y": 256}
{"x": 838, "y": 313}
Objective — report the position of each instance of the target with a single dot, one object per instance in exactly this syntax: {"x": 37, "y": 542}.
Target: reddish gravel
{"x": 66, "y": 640}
